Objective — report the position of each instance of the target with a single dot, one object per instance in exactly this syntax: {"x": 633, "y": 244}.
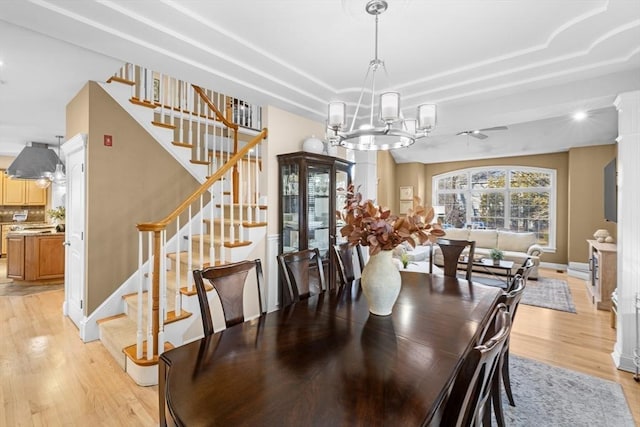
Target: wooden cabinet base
{"x": 35, "y": 257}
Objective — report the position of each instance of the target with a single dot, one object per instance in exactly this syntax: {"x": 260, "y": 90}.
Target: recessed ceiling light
{"x": 579, "y": 115}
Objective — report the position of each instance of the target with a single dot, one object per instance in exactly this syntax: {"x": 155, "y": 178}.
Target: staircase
{"x": 211, "y": 135}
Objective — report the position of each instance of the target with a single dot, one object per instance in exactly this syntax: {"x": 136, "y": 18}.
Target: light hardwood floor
{"x": 49, "y": 377}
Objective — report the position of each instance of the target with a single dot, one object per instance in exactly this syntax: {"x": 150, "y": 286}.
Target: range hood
{"x": 34, "y": 162}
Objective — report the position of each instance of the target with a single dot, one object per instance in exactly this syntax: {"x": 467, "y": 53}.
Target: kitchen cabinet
{"x": 3, "y": 243}
{"x": 34, "y": 196}
{"x": 312, "y": 187}
{"x": 15, "y": 257}
{"x": 22, "y": 192}
{"x": 35, "y": 256}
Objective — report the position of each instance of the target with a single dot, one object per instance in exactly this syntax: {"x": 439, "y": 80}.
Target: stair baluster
{"x": 175, "y": 102}
{"x": 178, "y": 281}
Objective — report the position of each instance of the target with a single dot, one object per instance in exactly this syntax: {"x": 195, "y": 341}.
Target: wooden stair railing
{"x": 156, "y": 246}
{"x": 195, "y": 116}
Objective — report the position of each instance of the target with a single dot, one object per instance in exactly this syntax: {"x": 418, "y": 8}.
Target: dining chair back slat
{"x": 229, "y": 281}
{"x": 451, "y": 251}
{"x": 344, "y": 256}
{"x": 303, "y": 274}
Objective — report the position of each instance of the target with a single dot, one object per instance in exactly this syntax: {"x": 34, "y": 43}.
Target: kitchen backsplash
{"x": 34, "y": 213}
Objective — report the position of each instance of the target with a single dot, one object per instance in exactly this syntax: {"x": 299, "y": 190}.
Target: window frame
{"x": 507, "y": 190}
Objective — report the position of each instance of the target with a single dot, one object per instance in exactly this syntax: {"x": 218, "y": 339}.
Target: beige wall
{"x": 6, "y": 161}
{"x": 586, "y": 198}
{"x": 387, "y": 185}
{"x": 133, "y": 181}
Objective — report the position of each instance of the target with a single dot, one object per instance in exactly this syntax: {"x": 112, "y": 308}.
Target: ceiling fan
{"x": 478, "y": 132}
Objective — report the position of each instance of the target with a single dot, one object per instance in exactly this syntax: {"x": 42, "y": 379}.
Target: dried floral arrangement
{"x": 374, "y": 226}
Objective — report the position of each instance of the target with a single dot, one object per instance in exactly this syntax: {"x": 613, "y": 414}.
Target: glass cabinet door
{"x": 342, "y": 183}
{"x": 290, "y": 178}
{"x": 318, "y": 208}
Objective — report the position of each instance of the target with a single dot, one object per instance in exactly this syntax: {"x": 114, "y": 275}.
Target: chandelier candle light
{"x": 389, "y": 130}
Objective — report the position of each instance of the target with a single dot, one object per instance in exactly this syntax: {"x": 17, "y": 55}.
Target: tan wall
{"x": 387, "y": 184}
{"x": 133, "y": 181}
{"x": 412, "y": 175}
{"x": 77, "y": 113}
{"x": 586, "y": 198}
{"x": 5, "y": 161}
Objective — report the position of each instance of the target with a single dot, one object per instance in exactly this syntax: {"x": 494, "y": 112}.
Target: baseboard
{"x": 554, "y": 266}
{"x": 579, "y": 270}
{"x": 623, "y": 362}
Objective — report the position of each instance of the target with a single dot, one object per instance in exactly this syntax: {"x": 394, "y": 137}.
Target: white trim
{"x": 579, "y": 270}
{"x": 554, "y": 266}
{"x": 273, "y": 283}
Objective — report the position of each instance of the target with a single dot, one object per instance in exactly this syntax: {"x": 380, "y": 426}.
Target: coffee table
{"x": 489, "y": 266}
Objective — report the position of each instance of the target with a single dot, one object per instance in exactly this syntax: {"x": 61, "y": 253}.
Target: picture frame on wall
{"x": 405, "y": 206}
{"x": 406, "y": 193}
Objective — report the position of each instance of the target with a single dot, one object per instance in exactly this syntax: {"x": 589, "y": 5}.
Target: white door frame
{"x": 74, "y": 306}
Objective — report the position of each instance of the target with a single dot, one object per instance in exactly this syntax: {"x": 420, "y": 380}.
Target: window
{"x": 500, "y": 197}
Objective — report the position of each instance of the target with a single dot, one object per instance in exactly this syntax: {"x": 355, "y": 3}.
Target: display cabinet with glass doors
{"x": 312, "y": 187}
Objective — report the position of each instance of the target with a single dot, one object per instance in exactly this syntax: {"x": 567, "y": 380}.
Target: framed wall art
{"x": 406, "y": 193}
{"x": 405, "y": 206}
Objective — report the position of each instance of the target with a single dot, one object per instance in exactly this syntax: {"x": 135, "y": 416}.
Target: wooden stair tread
{"x": 237, "y": 205}
{"x": 206, "y": 239}
{"x": 130, "y": 351}
{"x": 117, "y": 79}
{"x": 182, "y": 144}
{"x": 163, "y": 125}
{"x": 254, "y": 224}
{"x": 199, "y": 162}
{"x": 142, "y": 103}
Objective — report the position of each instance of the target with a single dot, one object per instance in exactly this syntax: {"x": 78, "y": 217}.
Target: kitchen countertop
{"x": 48, "y": 232}
{"x": 28, "y": 225}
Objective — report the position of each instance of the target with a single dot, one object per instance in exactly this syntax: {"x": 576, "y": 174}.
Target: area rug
{"x": 19, "y": 289}
{"x": 549, "y": 396}
{"x": 544, "y": 292}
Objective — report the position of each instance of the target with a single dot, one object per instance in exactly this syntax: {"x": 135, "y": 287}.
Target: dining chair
{"x": 521, "y": 274}
{"x": 302, "y": 273}
{"x": 469, "y": 403}
{"x": 451, "y": 251}
{"x": 229, "y": 282}
{"x": 344, "y": 257}
{"x": 512, "y": 300}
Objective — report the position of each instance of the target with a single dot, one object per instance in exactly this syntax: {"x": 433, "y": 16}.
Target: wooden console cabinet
{"x": 35, "y": 256}
{"x": 603, "y": 259}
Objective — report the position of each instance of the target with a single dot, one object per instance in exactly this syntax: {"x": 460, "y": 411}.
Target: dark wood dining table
{"x": 327, "y": 361}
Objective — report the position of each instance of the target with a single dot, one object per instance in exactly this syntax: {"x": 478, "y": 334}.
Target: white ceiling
{"x": 527, "y": 64}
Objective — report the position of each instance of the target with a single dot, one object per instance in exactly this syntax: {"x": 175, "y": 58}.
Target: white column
{"x": 628, "y": 106}
{"x": 366, "y": 173}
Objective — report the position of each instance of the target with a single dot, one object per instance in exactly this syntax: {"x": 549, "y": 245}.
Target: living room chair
{"x": 344, "y": 257}
{"x": 451, "y": 251}
{"x": 469, "y": 403}
{"x": 303, "y": 274}
{"x": 229, "y": 282}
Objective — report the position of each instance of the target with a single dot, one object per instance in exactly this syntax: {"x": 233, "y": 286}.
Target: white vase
{"x": 313, "y": 145}
{"x": 381, "y": 283}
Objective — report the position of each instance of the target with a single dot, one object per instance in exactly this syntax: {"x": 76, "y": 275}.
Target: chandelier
{"x": 387, "y": 129}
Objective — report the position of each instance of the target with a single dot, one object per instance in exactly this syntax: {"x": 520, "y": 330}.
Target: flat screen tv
{"x": 610, "y": 192}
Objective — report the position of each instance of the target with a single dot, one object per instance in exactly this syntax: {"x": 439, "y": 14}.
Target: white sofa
{"x": 516, "y": 246}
